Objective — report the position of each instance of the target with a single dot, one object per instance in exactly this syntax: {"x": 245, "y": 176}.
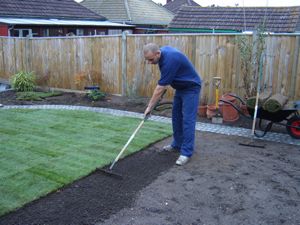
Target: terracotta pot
{"x": 202, "y": 110}
{"x": 229, "y": 113}
{"x": 211, "y": 111}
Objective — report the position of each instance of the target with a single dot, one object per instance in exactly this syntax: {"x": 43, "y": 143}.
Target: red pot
{"x": 202, "y": 110}
{"x": 211, "y": 111}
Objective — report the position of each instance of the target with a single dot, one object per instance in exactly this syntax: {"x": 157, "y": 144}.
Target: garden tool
{"x": 252, "y": 142}
{"x": 218, "y": 117}
{"x": 110, "y": 171}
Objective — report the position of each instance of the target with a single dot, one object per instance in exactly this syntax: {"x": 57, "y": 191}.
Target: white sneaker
{"x": 182, "y": 160}
{"x": 168, "y": 148}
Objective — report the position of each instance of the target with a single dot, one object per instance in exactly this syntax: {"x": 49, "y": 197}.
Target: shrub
{"x": 96, "y": 95}
{"x": 23, "y": 81}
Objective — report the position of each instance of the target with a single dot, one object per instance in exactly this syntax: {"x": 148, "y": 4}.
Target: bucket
{"x": 202, "y": 110}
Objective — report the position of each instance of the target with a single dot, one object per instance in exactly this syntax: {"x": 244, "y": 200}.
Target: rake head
{"x": 111, "y": 173}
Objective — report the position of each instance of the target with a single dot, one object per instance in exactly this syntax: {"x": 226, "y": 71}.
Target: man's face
{"x": 152, "y": 57}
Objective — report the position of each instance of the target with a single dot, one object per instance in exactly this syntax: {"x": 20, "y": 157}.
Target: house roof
{"x": 138, "y": 12}
{"x": 175, "y": 5}
{"x": 46, "y": 9}
{"x": 18, "y": 21}
{"x": 277, "y": 19}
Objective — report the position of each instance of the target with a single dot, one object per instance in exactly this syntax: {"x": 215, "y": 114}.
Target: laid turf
{"x": 43, "y": 150}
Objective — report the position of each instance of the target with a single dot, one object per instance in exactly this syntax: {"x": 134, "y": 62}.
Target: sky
{"x": 242, "y": 3}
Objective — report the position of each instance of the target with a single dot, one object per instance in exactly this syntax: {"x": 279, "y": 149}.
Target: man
{"x": 178, "y": 72}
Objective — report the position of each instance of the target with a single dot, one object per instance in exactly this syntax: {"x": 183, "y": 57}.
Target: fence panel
{"x": 8, "y": 57}
{"x": 211, "y": 55}
{"x": 75, "y": 62}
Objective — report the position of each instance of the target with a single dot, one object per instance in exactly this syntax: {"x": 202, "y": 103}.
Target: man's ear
{"x": 159, "y": 53}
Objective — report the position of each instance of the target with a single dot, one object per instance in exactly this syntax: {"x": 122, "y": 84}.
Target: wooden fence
{"x": 116, "y": 63}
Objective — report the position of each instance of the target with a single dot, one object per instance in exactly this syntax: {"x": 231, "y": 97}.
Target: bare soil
{"x": 224, "y": 183}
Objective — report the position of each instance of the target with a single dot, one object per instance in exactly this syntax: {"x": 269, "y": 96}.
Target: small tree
{"x": 250, "y": 54}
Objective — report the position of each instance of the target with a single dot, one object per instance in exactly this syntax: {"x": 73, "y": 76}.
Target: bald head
{"x": 152, "y": 53}
{"x": 151, "y": 47}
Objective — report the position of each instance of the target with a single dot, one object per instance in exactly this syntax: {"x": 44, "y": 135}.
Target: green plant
{"x": 23, "y": 81}
{"x": 96, "y": 95}
{"x": 250, "y": 54}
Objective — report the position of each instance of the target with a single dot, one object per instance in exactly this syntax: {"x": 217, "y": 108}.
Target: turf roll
{"x": 275, "y": 103}
{"x": 262, "y": 98}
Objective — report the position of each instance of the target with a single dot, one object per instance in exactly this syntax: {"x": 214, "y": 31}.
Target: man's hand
{"x": 157, "y": 94}
{"x": 147, "y": 111}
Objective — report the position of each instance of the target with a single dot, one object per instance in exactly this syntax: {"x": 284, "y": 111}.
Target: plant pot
{"x": 202, "y": 110}
{"x": 93, "y": 87}
{"x": 211, "y": 111}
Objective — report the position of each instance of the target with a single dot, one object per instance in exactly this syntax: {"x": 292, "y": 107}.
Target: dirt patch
{"x": 224, "y": 183}
{"x": 70, "y": 98}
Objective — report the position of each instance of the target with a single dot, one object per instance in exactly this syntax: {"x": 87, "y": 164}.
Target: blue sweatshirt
{"x": 177, "y": 70}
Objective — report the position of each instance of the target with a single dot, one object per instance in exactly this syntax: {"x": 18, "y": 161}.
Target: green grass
{"x": 43, "y": 150}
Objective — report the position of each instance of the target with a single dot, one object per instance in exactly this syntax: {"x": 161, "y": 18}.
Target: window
{"x": 79, "y": 32}
{"x": 128, "y": 31}
{"x": 97, "y": 32}
{"x": 45, "y": 33}
{"x": 111, "y": 32}
{"x": 22, "y": 33}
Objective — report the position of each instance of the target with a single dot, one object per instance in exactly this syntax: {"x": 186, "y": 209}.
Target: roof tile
{"x": 46, "y": 9}
{"x": 175, "y": 5}
{"x": 276, "y": 19}
{"x": 131, "y": 11}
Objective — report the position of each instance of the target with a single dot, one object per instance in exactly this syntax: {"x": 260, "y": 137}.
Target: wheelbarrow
{"x": 288, "y": 117}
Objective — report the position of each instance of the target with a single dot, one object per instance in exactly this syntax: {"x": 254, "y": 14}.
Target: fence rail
{"x": 116, "y": 63}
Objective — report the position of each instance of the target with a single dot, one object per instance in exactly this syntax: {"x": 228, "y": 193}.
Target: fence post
{"x": 254, "y": 67}
{"x": 294, "y": 69}
{"x": 124, "y": 63}
{"x": 27, "y": 55}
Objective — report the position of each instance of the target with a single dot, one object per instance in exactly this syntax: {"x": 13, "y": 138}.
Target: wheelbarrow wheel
{"x": 291, "y": 125}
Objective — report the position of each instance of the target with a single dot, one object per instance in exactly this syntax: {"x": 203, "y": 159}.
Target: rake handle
{"x": 134, "y": 133}
{"x": 126, "y": 145}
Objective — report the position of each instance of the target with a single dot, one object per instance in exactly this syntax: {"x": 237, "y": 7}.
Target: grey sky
{"x": 244, "y": 2}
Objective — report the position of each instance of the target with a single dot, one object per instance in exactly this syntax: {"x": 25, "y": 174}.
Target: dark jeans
{"x": 184, "y": 115}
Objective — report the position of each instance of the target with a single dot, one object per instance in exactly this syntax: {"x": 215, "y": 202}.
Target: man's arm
{"x": 158, "y": 91}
